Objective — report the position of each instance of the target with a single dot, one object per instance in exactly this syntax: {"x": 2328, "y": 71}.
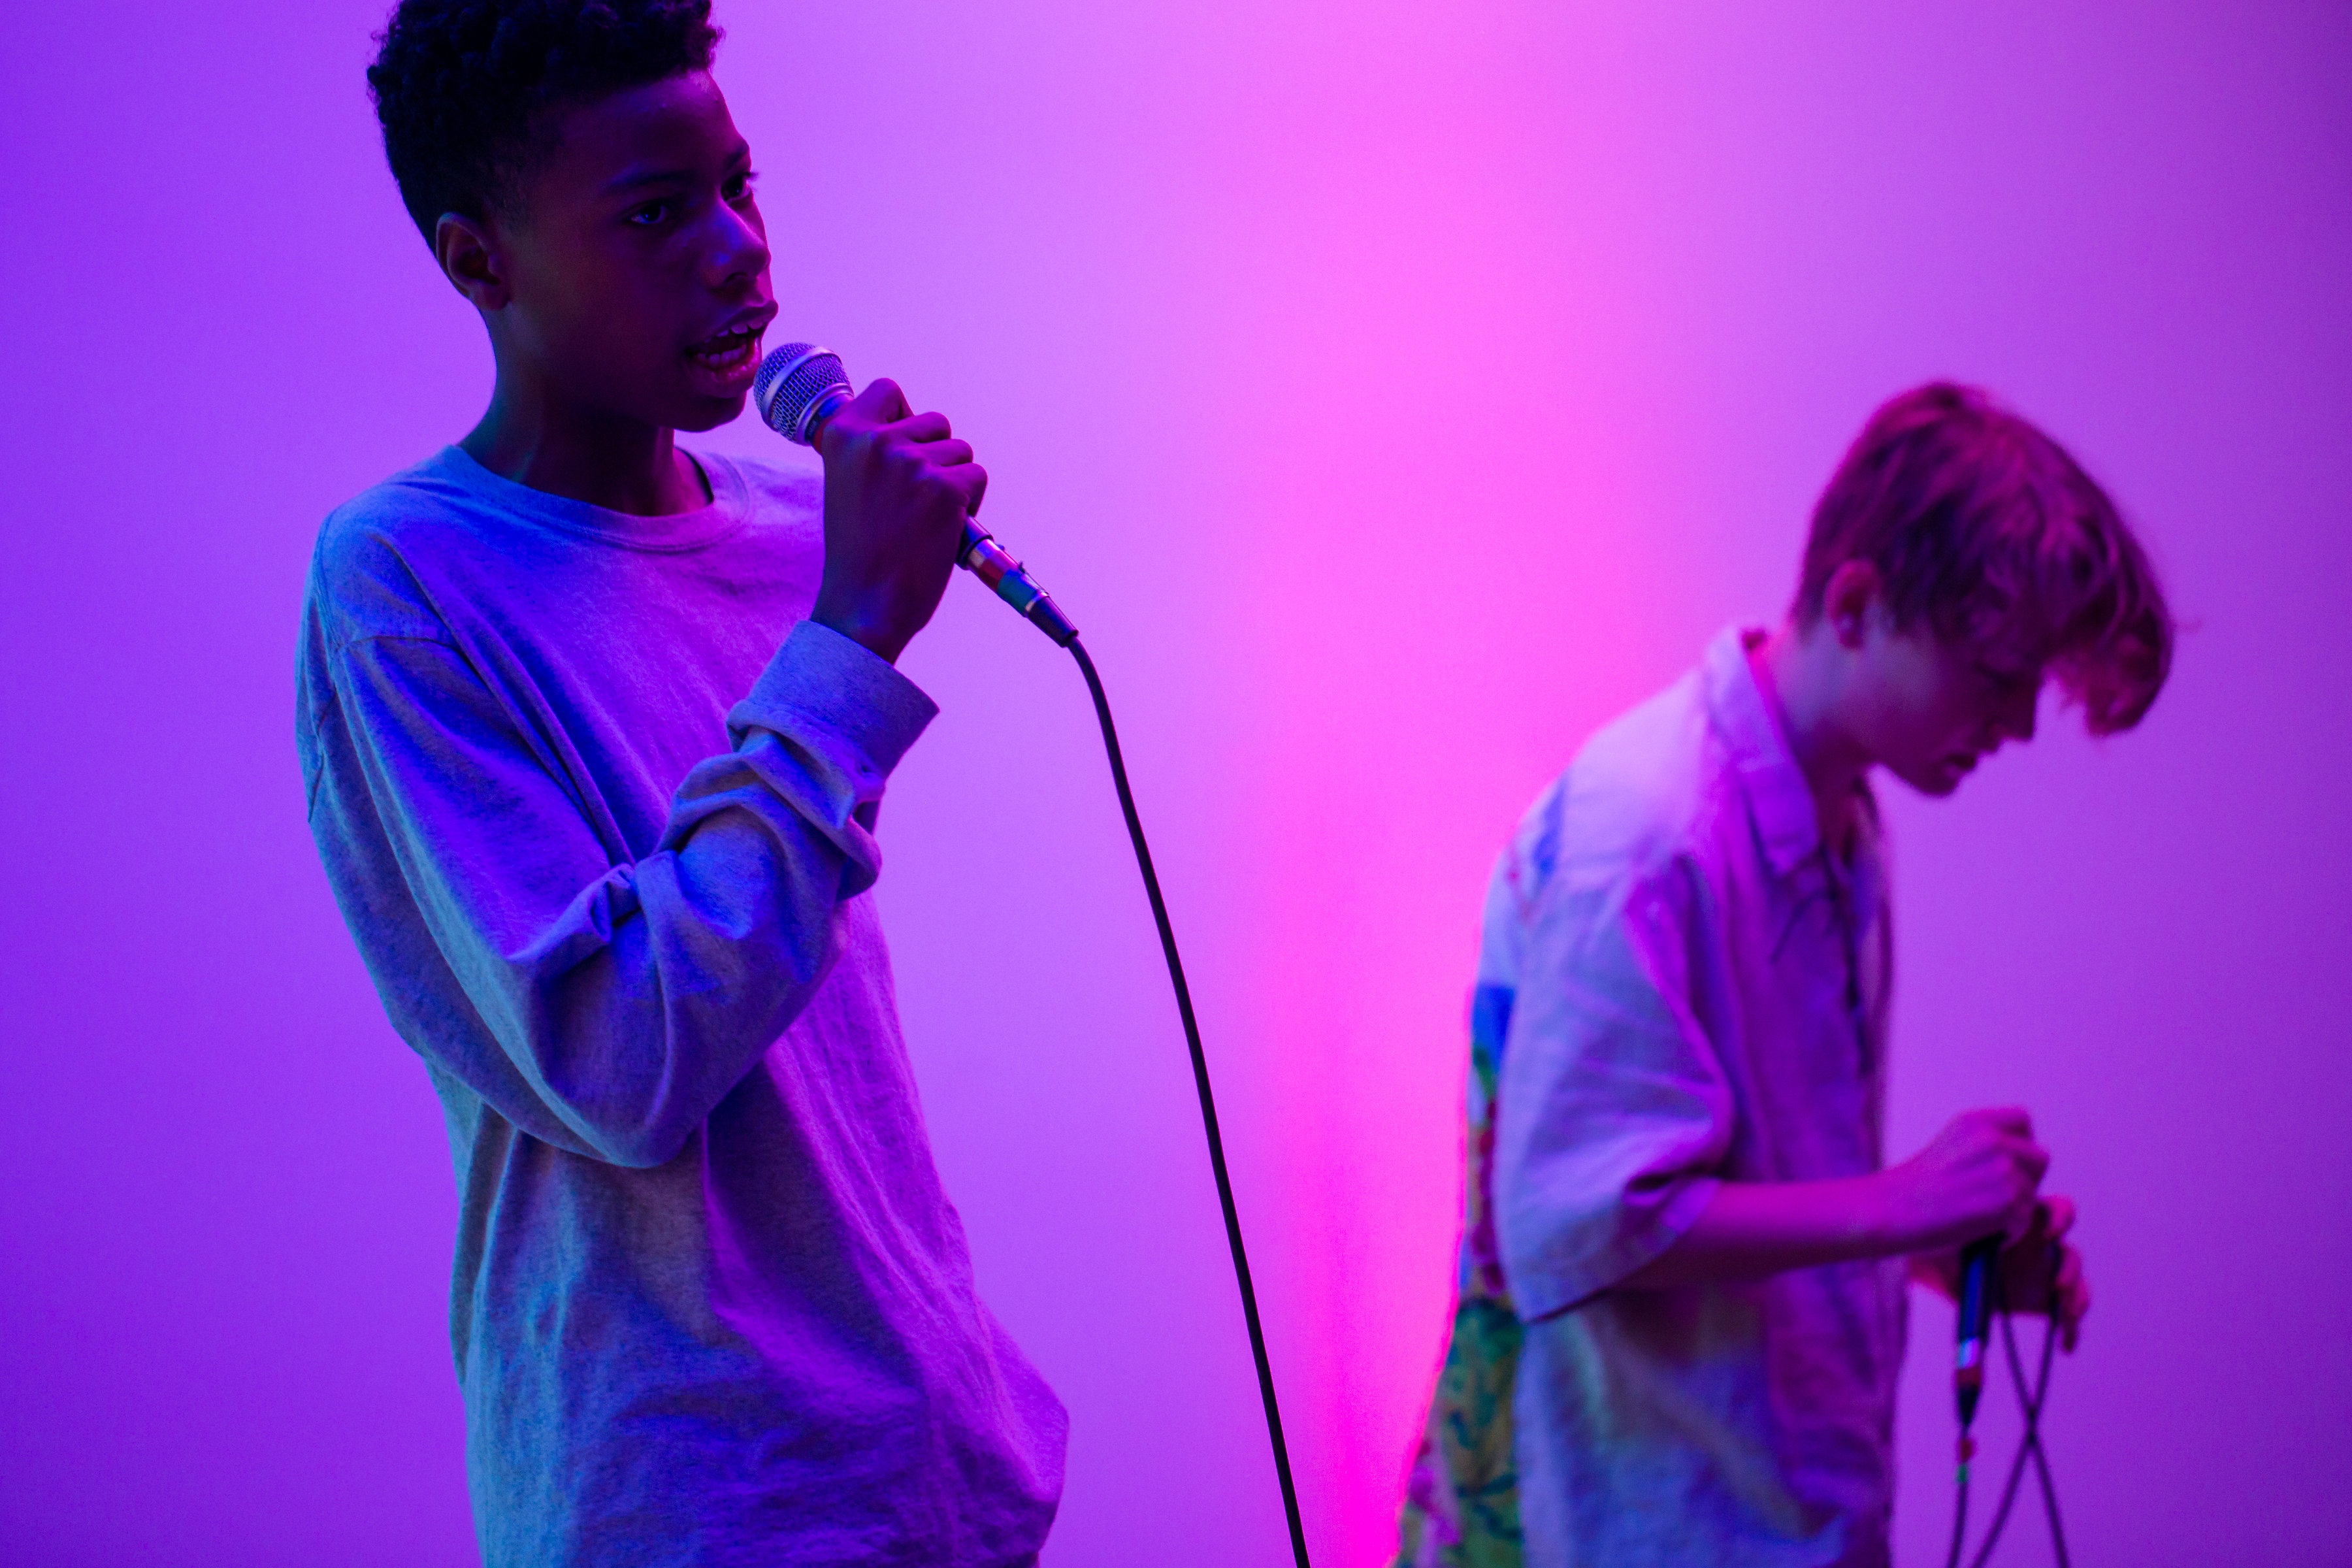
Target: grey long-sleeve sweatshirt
{"x": 586, "y": 787}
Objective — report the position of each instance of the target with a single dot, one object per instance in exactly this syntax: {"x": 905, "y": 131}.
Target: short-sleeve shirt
{"x": 1678, "y": 986}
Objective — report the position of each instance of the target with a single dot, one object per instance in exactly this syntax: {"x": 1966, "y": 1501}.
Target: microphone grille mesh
{"x": 793, "y": 382}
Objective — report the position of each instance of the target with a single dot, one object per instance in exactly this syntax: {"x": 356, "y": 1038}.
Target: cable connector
{"x": 993, "y": 564}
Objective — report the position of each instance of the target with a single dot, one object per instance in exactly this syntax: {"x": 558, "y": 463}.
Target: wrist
{"x": 1938, "y": 1271}
{"x": 868, "y": 632}
{"x": 1891, "y": 1215}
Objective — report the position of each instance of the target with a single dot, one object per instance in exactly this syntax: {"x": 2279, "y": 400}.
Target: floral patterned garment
{"x": 1462, "y": 1504}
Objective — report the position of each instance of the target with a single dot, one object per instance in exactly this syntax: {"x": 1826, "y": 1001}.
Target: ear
{"x": 1848, "y": 599}
{"x": 470, "y": 260}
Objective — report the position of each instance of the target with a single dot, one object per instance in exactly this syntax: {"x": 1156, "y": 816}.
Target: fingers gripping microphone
{"x": 801, "y": 386}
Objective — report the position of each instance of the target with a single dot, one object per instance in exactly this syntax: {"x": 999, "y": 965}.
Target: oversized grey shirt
{"x": 593, "y": 799}
{"x": 1696, "y": 994}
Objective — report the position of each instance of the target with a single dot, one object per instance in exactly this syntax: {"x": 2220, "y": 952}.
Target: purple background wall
{"x": 1494, "y": 355}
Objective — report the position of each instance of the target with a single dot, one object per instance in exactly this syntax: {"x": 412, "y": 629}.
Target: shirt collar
{"x": 1779, "y": 801}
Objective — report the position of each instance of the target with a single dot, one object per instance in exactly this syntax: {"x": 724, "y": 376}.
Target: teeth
{"x": 727, "y": 348}
{"x": 726, "y": 341}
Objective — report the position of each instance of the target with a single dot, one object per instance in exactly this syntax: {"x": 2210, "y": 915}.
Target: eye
{"x": 738, "y": 188}
{"x": 650, "y": 214}
{"x": 2008, "y": 681}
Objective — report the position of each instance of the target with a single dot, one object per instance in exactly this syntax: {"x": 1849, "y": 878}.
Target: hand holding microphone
{"x": 1977, "y": 1184}
{"x": 1978, "y": 1177}
{"x": 900, "y": 493}
{"x": 897, "y": 488}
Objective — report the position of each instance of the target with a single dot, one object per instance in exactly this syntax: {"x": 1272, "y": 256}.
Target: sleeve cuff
{"x": 822, "y": 679}
{"x": 1541, "y": 1288}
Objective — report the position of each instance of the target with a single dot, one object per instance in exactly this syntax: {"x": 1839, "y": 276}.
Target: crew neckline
{"x": 724, "y": 514}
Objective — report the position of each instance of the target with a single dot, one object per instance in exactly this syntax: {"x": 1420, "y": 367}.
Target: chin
{"x": 710, "y": 413}
{"x": 1937, "y": 781}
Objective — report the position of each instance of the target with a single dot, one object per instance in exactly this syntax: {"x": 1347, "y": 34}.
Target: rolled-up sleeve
{"x": 1613, "y": 1112}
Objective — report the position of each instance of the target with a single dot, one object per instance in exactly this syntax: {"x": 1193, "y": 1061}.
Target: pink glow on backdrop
{"x": 1391, "y": 393}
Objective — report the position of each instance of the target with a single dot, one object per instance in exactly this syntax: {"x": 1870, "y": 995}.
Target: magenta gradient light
{"x": 1391, "y": 393}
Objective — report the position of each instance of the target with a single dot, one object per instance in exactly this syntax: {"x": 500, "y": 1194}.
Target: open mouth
{"x": 725, "y": 353}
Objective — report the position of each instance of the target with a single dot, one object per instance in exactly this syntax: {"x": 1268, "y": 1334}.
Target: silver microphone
{"x": 801, "y": 386}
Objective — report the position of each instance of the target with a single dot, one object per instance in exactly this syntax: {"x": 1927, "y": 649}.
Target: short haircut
{"x": 1987, "y": 531}
{"x": 460, "y": 86}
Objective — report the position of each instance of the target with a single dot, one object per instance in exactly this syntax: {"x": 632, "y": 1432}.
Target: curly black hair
{"x": 459, "y": 84}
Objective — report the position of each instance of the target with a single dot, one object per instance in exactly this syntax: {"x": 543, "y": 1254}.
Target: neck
{"x": 607, "y": 460}
{"x": 1803, "y": 680}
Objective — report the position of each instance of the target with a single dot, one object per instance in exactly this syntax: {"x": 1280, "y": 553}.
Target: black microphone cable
{"x": 1208, "y": 1102}
{"x": 2028, "y": 1444}
{"x": 799, "y": 387}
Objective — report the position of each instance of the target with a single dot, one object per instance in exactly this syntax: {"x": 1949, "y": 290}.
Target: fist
{"x": 1978, "y": 1177}
{"x": 897, "y": 488}
{"x": 2041, "y": 1273}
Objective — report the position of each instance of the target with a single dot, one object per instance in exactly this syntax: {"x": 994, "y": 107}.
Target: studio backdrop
{"x": 1392, "y": 393}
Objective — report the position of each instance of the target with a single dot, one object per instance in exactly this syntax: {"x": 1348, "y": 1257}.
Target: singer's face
{"x": 1943, "y": 707}
{"x": 637, "y": 261}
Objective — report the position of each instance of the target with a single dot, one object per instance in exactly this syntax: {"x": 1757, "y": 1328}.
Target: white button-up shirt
{"x": 1696, "y": 993}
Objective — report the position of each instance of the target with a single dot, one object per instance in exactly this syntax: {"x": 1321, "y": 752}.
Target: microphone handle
{"x": 1977, "y": 1261}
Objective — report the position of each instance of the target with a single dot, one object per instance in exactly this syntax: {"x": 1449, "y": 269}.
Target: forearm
{"x": 1751, "y": 1229}
{"x": 621, "y": 1000}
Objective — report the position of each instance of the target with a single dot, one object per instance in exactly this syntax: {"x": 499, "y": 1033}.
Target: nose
{"x": 739, "y": 249}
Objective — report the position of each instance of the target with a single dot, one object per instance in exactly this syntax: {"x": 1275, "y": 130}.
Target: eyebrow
{"x": 641, "y": 179}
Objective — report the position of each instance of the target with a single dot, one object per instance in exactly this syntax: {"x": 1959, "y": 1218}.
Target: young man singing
{"x": 1681, "y": 1310}
{"x": 595, "y": 730}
